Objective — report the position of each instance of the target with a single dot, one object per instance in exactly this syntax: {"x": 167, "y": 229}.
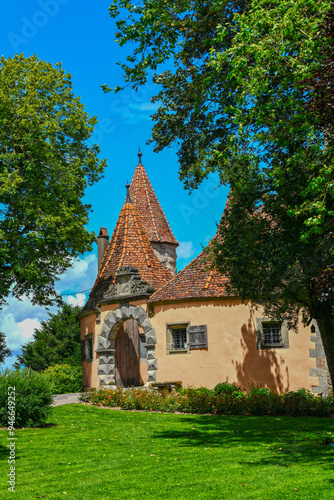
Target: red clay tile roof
{"x": 197, "y": 280}
{"x": 129, "y": 246}
{"x": 148, "y": 207}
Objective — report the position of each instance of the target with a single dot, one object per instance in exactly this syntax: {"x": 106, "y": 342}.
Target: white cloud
{"x": 147, "y": 106}
{"x": 22, "y": 333}
{"x": 78, "y": 300}
{"x": 80, "y": 276}
{"x": 185, "y": 250}
{"x": 19, "y": 318}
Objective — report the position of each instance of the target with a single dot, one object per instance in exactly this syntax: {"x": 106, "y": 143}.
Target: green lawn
{"x": 97, "y": 453}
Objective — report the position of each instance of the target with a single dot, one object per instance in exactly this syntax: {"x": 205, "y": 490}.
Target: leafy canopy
{"x": 57, "y": 341}
{"x": 192, "y": 94}
{"x": 45, "y": 166}
{"x": 4, "y": 350}
{"x": 236, "y": 99}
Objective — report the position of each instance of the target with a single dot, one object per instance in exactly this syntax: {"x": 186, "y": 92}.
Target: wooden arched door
{"x": 127, "y": 355}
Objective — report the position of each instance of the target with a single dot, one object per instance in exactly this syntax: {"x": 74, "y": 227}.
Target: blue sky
{"x": 81, "y": 35}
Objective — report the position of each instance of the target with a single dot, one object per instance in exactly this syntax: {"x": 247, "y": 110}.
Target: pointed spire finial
{"x": 139, "y": 156}
{"x": 128, "y": 199}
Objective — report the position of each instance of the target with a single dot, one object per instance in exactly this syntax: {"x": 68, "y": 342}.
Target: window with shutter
{"x": 198, "y": 338}
{"x": 177, "y": 338}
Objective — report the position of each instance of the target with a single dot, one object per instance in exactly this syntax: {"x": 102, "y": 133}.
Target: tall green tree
{"x": 234, "y": 100}
{"x": 57, "y": 341}
{"x": 45, "y": 166}
{"x": 4, "y": 350}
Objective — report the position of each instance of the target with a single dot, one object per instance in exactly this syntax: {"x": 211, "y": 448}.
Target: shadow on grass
{"x": 4, "y": 452}
{"x": 287, "y": 440}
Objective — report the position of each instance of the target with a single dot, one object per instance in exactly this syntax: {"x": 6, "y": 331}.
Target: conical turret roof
{"x": 129, "y": 246}
{"x": 147, "y": 204}
{"x": 197, "y": 280}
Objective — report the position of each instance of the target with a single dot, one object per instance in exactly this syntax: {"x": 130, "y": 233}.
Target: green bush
{"x": 226, "y": 388}
{"x": 260, "y": 401}
{"x": 33, "y": 397}
{"x": 64, "y": 378}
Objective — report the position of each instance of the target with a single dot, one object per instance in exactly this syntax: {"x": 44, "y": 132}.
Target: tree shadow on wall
{"x": 260, "y": 367}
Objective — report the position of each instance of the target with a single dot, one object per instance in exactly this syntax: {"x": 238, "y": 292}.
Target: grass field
{"x": 96, "y": 453}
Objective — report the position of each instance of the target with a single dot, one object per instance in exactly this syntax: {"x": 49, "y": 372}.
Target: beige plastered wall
{"x": 88, "y": 325}
{"x": 232, "y": 353}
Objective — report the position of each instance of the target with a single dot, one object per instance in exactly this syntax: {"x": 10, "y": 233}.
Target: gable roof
{"x": 197, "y": 280}
{"x": 129, "y": 246}
{"x": 151, "y": 214}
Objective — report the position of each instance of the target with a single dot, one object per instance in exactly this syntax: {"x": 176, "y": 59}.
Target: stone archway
{"x": 106, "y": 342}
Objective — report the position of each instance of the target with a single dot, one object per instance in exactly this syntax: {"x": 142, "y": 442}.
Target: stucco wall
{"x": 232, "y": 352}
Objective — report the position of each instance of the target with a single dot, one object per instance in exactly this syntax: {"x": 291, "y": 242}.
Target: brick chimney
{"x": 102, "y": 243}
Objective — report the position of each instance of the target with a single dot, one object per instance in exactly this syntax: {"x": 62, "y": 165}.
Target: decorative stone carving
{"x": 128, "y": 284}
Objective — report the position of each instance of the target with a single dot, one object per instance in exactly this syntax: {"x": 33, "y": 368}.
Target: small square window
{"x": 271, "y": 334}
{"x": 177, "y": 337}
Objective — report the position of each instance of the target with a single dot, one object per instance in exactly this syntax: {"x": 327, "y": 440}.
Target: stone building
{"x": 145, "y": 323}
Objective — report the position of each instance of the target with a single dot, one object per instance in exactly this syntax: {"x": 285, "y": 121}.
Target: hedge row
{"x": 229, "y": 401}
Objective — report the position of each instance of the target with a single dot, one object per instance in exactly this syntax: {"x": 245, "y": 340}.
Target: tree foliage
{"x": 191, "y": 96}
{"x": 241, "y": 96}
{"x": 45, "y": 166}
{"x": 4, "y": 350}
{"x": 57, "y": 341}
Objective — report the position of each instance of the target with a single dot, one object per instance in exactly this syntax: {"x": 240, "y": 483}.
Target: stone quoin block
{"x": 108, "y": 320}
{"x": 117, "y": 315}
{"x": 142, "y": 315}
{"x": 107, "y": 380}
{"x": 152, "y": 376}
{"x": 150, "y": 340}
{"x": 152, "y": 364}
{"x": 105, "y": 332}
{"x": 135, "y": 313}
{"x": 146, "y": 324}
{"x": 108, "y": 369}
{"x": 125, "y": 310}
{"x": 105, "y": 359}
{"x": 150, "y": 353}
{"x": 111, "y": 343}
{"x": 102, "y": 370}
{"x": 101, "y": 343}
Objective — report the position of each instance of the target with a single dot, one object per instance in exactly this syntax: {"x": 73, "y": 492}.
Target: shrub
{"x": 226, "y": 388}
{"x": 64, "y": 378}
{"x": 33, "y": 397}
{"x": 260, "y": 401}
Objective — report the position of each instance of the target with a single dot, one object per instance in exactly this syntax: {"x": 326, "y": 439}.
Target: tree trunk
{"x": 325, "y": 319}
